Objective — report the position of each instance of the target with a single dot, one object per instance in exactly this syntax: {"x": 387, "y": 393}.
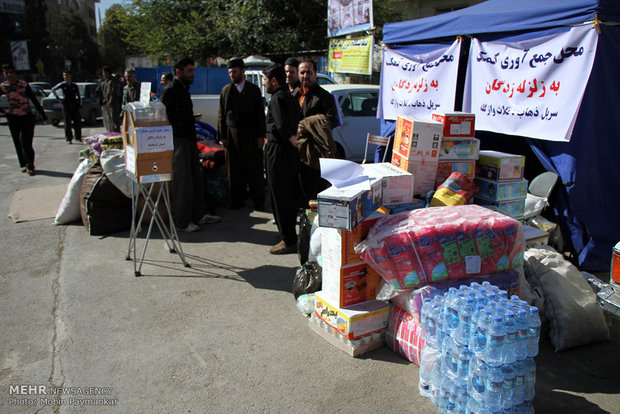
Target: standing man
{"x": 282, "y": 156}
{"x": 19, "y": 116}
{"x": 71, "y": 106}
{"x": 241, "y": 127}
{"x": 108, "y": 91}
{"x": 291, "y": 66}
{"x": 166, "y": 78}
{"x": 188, "y": 187}
{"x": 131, "y": 91}
{"x": 313, "y": 100}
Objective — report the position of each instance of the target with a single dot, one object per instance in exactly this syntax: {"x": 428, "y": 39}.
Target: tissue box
{"x": 511, "y": 208}
{"x": 418, "y": 140}
{"x": 456, "y": 124}
{"x": 496, "y": 165}
{"x": 354, "y": 321}
{"x": 445, "y": 168}
{"x": 424, "y": 173}
{"x": 346, "y": 207}
{"x": 459, "y": 149}
{"x": 348, "y": 285}
{"x": 501, "y": 190}
{"x": 397, "y": 183}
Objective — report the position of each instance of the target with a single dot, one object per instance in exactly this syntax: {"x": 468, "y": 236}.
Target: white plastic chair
{"x": 378, "y": 141}
{"x": 538, "y": 193}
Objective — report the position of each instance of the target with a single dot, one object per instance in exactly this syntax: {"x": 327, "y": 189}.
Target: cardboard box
{"x": 496, "y": 165}
{"x": 148, "y": 149}
{"x": 415, "y": 204}
{"x": 350, "y": 284}
{"x": 397, "y": 184}
{"x": 456, "y": 124}
{"x": 338, "y": 246}
{"x": 354, "y": 321}
{"x": 459, "y": 149}
{"x": 445, "y": 168}
{"x": 512, "y": 208}
{"x": 346, "y": 207}
{"x": 424, "y": 173}
{"x": 416, "y": 139}
{"x": 501, "y": 190}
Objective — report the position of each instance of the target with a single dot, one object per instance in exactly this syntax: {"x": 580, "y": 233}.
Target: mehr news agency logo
{"x": 47, "y": 395}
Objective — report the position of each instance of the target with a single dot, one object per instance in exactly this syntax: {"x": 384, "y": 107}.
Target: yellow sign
{"x": 351, "y": 55}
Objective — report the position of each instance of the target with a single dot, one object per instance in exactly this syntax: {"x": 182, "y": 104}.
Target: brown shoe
{"x": 282, "y": 248}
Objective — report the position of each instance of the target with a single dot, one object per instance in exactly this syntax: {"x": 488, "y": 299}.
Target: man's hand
{"x": 293, "y": 140}
{"x": 261, "y": 143}
{"x": 224, "y": 142}
{"x": 300, "y": 129}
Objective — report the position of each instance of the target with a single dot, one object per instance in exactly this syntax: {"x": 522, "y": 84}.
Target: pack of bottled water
{"x": 480, "y": 351}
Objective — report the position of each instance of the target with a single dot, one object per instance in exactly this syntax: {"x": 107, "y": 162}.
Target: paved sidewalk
{"x": 223, "y": 336}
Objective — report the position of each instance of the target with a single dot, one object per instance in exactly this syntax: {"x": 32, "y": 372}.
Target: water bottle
{"x": 452, "y": 398}
{"x": 503, "y": 294}
{"x": 493, "y": 397}
{"x": 478, "y": 374}
{"x": 461, "y": 400}
{"x": 510, "y": 340}
{"x": 451, "y": 314}
{"x": 478, "y": 339}
{"x": 519, "y": 385}
{"x": 462, "y": 369}
{"x": 424, "y": 315}
{"x": 521, "y": 342}
{"x": 444, "y": 394}
{"x": 449, "y": 358}
{"x": 463, "y": 331}
{"x": 508, "y": 387}
{"x": 429, "y": 357}
{"x": 533, "y": 332}
{"x": 473, "y": 406}
{"x": 530, "y": 380}
{"x": 436, "y": 382}
{"x": 493, "y": 351}
{"x": 440, "y": 331}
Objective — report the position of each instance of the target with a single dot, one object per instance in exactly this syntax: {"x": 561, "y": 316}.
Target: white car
{"x": 357, "y": 106}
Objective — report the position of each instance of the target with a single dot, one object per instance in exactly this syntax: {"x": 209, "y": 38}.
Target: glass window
{"x": 360, "y": 104}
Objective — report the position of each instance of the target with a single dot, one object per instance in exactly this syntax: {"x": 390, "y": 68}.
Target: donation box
{"x": 147, "y": 140}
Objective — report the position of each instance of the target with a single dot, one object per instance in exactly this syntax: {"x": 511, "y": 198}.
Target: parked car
{"x": 39, "y": 93}
{"x": 256, "y": 77}
{"x": 46, "y": 86}
{"x": 357, "y": 106}
{"x": 91, "y": 109}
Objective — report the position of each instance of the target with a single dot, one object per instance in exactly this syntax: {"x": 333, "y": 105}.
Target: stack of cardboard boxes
{"x": 500, "y": 181}
{"x": 459, "y": 148}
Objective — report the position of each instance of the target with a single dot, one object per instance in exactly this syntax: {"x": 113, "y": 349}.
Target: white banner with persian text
{"x": 418, "y": 85}
{"x": 531, "y": 88}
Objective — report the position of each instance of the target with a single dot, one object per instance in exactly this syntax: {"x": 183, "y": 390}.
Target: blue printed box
{"x": 511, "y": 208}
{"x": 501, "y": 190}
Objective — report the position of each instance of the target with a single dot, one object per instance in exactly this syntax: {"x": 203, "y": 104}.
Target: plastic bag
{"x": 305, "y": 303}
{"x": 307, "y": 279}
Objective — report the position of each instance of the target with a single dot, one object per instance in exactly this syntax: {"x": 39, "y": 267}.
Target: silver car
{"x": 357, "y": 106}
{"x": 91, "y": 109}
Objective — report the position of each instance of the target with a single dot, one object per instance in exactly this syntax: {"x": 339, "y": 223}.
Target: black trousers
{"x": 188, "y": 186}
{"x": 282, "y": 165}
{"x": 244, "y": 161}
{"x": 22, "y": 131}
{"x": 72, "y": 119}
{"x": 311, "y": 182}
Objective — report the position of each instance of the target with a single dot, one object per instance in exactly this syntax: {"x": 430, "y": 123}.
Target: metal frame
{"x": 152, "y": 199}
{"x": 376, "y": 140}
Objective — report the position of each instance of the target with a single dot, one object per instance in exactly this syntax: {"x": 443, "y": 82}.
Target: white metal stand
{"x": 152, "y": 199}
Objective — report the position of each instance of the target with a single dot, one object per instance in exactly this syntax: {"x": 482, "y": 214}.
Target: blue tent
{"x": 588, "y": 201}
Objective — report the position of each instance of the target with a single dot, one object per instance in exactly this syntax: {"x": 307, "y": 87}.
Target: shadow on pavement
{"x": 54, "y": 173}
{"x": 270, "y": 277}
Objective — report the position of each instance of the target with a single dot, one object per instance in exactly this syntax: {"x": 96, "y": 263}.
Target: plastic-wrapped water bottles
{"x": 530, "y": 380}
{"x": 478, "y": 340}
{"x": 508, "y": 386}
{"x": 521, "y": 342}
{"x": 436, "y": 382}
{"x": 429, "y": 358}
{"x": 533, "y": 332}
{"x": 494, "y": 349}
{"x": 465, "y": 311}
{"x": 510, "y": 326}
{"x": 519, "y": 386}
{"x": 424, "y": 313}
{"x": 493, "y": 396}
{"x": 451, "y": 313}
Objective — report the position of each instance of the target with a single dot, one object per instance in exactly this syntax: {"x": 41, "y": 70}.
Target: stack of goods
{"x": 480, "y": 350}
{"x": 459, "y": 149}
{"x": 420, "y": 247}
{"x": 500, "y": 181}
{"x": 416, "y": 149}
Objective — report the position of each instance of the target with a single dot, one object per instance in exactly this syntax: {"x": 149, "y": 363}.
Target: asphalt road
{"x": 221, "y": 336}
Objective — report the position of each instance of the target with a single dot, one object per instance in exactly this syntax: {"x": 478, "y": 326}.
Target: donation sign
{"x": 531, "y": 88}
{"x": 19, "y": 52}
{"x": 350, "y": 55}
{"x": 418, "y": 85}
{"x": 348, "y": 16}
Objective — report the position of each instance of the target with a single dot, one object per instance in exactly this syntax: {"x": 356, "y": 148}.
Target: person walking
{"x": 188, "y": 188}
{"x": 282, "y": 156}
{"x": 313, "y": 100}
{"x": 71, "y": 106}
{"x": 20, "y": 117}
{"x": 241, "y": 128}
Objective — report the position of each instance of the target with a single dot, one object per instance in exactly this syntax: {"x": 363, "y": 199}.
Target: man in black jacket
{"x": 71, "y": 106}
{"x": 313, "y": 100}
{"x": 241, "y": 128}
{"x": 282, "y": 156}
{"x": 188, "y": 187}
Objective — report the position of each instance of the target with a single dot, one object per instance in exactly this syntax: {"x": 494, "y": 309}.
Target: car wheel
{"x": 55, "y": 122}
{"x": 339, "y": 152}
{"x": 92, "y": 117}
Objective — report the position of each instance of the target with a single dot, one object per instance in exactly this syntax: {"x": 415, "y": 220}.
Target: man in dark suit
{"x": 241, "y": 128}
